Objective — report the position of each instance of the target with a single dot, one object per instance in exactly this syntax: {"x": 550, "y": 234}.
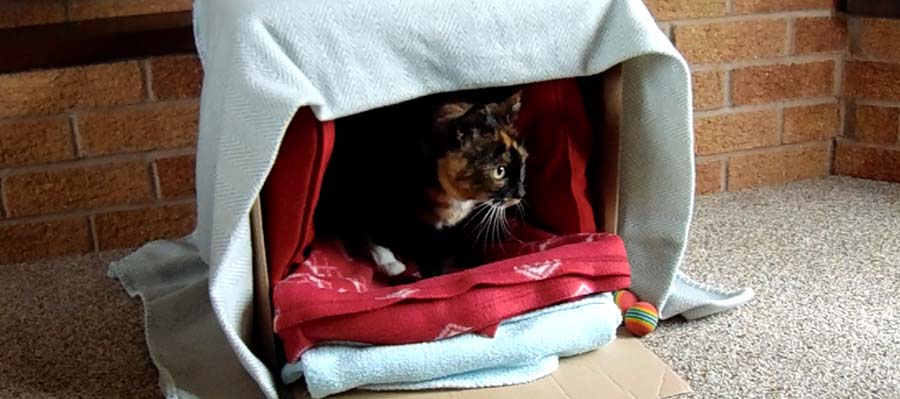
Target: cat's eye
{"x": 499, "y": 173}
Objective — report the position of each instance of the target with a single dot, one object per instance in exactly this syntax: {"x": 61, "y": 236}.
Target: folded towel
{"x": 524, "y": 349}
{"x": 333, "y": 297}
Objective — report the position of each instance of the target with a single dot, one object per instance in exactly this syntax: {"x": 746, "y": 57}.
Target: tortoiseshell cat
{"x": 402, "y": 179}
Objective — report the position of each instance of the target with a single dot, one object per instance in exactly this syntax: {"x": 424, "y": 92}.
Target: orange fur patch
{"x": 507, "y": 140}
{"x": 450, "y": 168}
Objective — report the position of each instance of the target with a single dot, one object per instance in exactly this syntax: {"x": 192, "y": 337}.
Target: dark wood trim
{"x": 870, "y": 8}
{"x": 95, "y": 41}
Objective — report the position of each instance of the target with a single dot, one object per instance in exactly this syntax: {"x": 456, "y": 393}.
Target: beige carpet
{"x": 824, "y": 259}
{"x": 68, "y": 331}
{"x": 822, "y": 255}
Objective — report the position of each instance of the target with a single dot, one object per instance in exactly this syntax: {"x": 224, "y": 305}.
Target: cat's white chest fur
{"x": 454, "y": 213}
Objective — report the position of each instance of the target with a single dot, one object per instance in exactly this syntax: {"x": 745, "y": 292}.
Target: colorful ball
{"x": 624, "y": 299}
{"x": 641, "y": 319}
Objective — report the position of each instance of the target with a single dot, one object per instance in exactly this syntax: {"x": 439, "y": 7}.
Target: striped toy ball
{"x": 624, "y": 299}
{"x": 641, "y": 319}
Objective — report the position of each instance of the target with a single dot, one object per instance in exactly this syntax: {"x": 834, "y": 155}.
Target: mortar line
{"x": 801, "y": 102}
{"x": 92, "y": 222}
{"x": 839, "y": 77}
{"x": 877, "y": 103}
{"x": 146, "y": 80}
{"x": 780, "y": 124}
{"x": 852, "y": 110}
{"x": 894, "y": 147}
{"x": 764, "y": 149}
{"x": 725, "y": 164}
{"x": 87, "y": 212}
{"x": 75, "y": 134}
{"x": 155, "y": 181}
{"x": 754, "y": 17}
{"x": 781, "y": 60}
{"x": 4, "y": 213}
{"x": 145, "y": 156}
{"x": 110, "y": 108}
{"x": 789, "y": 33}
{"x": 832, "y": 144}
{"x": 729, "y": 103}
{"x": 854, "y": 49}
{"x": 897, "y": 141}
{"x": 872, "y": 58}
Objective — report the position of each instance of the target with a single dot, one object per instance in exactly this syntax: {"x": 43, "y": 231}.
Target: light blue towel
{"x": 524, "y": 349}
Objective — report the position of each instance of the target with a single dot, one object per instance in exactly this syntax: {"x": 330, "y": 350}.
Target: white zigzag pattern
{"x": 452, "y": 330}
{"x": 400, "y": 294}
{"x": 539, "y": 271}
{"x": 583, "y": 290}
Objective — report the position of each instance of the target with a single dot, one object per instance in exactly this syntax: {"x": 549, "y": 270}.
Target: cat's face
{"x": 486, "y": 160}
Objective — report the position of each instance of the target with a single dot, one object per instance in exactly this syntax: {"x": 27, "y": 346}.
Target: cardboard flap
{"x": 625, "y": 368}
{"x": 622, "y": 369}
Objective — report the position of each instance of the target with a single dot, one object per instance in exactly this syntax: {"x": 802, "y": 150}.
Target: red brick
{"x": 760, "y": 6}
{"x": 877, "y": 125}
{"x": 14, "y": 13}
{"x": 95, "y": 9}
{"x": 736, "y": 131}
{"x": 176, "y": 77}
{"x": 30, "y": 241}
{"x": 811, "y": 123}
{"x": 777, "y": 166}
{"x": 731, "y": 41}
{"x": 140, "y": 128}
{"x": 816, "y": 35}
{"x": 872, "y": 80}
{"x": 708, "y": 89}
{"x": 57, "y": 90}
{"x": 763, "y": 84}
{"x": 866, "y": 162}
{"x": 77, "y": 188}
{"x": 664, "y": 10}
{"x": 132, "y": 228}
{"x": 709, "y": 177}
{"x": 35, "y": 141}
{"x": 880, "y": 39}
{"x": 176, "y": 176}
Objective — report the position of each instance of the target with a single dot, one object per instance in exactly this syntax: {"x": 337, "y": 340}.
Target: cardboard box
{"x": 622, "y": 369}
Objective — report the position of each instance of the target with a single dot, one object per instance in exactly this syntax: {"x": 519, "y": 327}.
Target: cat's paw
{"x": 392, "y": 269}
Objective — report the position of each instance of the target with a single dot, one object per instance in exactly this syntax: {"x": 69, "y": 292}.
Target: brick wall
{"x": 869, "y": 147}
{"x": 16, "y": 13}
{"x": 97, "y": 157}
{"x": 101, "y": 156}
{"x": 767, "y": 84}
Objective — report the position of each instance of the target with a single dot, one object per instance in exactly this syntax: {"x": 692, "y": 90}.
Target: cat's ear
{"x": 450, "y": 111}
{"x": 508, "y": 109}
{"x": 471, "y": 122}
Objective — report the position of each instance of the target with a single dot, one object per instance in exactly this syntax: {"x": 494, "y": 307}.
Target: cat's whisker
{"x": 481, "y": 227}
{"x": 493, "y": 226}
{"x": 484, "y": 228}
{"x": 480, "y": 208}
{"x": 505, "y": 221}
{"x": 520, "y": 209}
{"x": 501, "y": 223}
